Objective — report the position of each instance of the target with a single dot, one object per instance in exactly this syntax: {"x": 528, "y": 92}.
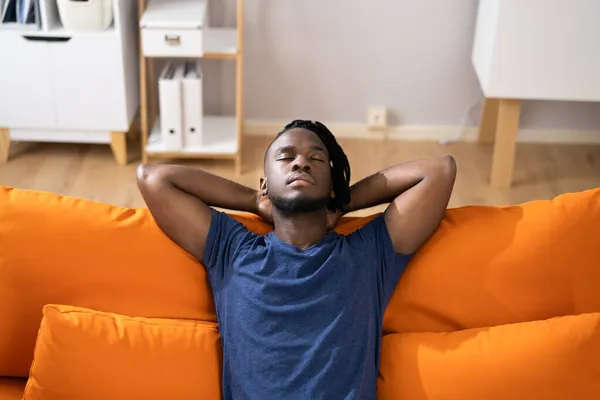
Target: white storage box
{"x": 86, "y": 15}
{"x": 174, "y": 28}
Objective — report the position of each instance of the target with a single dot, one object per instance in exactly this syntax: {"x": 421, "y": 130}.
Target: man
{"x": 300, "y": 310}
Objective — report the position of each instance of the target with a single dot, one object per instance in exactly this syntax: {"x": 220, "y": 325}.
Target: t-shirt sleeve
{"x": 226, "y": 237}
{"x": 373, "y": 241}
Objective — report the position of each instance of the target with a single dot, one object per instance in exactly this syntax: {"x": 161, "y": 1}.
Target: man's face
{"x": 298, "y": 174}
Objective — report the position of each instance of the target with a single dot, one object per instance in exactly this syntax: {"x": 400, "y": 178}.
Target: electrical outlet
{"x": 377, "y": 118}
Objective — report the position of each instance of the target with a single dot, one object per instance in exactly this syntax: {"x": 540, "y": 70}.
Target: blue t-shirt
{"x": 300, "y": 324}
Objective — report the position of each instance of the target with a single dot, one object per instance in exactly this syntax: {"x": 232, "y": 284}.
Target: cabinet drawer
{"x": 172, "y": 42}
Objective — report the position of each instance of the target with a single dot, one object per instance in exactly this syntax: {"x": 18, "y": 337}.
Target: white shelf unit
{"x": 225, "y": 139}
{"x": 62, "y": 86}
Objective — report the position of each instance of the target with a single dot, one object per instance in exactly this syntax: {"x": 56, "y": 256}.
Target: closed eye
{"x": 318, "y": 156}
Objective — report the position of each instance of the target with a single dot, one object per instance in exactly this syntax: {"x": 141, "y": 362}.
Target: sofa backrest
{"x": 485, "y": 266}
{"x": 76, "y": 252}
{"x": 489, "y": 266}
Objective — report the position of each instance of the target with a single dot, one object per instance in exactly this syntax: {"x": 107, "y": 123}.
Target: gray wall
{"x": 331, "y": 59}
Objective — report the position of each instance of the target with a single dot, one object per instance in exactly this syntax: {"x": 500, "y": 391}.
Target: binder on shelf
{"x": 170, "y": 104}
{"x": 26, "y": 11}
{"x": 192, "y": 105}
{"x": 48, "y": 15}
{"x": 19, "y": 15}
{"x": 9, "y": 12}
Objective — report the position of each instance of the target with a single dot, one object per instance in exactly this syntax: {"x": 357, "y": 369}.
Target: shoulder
{"x": 226, "y": 233}
{"x": 375, "y": 227}
{"x": 373, "y": 236}
{"x": 224, "y": 220}
{"x": 229, "y": 224}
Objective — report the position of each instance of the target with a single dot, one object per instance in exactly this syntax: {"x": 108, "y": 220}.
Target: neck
{"x": 301, "y": 230}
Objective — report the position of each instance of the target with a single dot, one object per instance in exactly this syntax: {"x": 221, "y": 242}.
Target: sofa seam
{"x": 214, "y": 326}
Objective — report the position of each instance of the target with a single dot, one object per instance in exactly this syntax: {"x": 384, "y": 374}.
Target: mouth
{"x": 301, "y": 180}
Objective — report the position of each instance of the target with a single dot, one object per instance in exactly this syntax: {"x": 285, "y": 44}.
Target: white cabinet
{"x": 86, "y": 97}
{"x": 538, "y": 49}
{"x": 25, "y": 85}
{"x": 61, "y": 86}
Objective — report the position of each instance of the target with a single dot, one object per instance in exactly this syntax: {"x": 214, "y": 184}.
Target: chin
{"x": 297, "y": 204}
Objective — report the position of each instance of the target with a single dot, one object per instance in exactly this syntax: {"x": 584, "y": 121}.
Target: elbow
{"x": 447, "y": 167}
{"x": 149, "y": 182}
{"x": 449, "y": 164}
{"x": 142, "y": 172}
{"x": 147, "y": 172}
{"x": 149, "y": 175}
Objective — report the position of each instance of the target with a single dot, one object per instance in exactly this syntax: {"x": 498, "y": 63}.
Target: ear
{"x": 263, "y": 187}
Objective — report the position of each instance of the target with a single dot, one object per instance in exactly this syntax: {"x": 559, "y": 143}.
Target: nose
{"x": 301, "y": 163}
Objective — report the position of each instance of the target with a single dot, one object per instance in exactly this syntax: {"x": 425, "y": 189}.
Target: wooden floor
{"x": 541, "y": 171}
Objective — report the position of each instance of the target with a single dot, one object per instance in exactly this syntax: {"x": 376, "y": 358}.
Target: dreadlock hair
{"x": 338, "y": 162}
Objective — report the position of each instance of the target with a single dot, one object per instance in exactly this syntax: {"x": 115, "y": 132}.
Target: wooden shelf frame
{"x": 148, "y": 99}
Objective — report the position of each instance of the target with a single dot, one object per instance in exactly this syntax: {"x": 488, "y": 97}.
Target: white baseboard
{"x": 425, "y": 133}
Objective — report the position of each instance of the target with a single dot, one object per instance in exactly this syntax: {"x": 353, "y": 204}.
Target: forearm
{"x": 212, "y": 190}
{"x": 384, "y": 186}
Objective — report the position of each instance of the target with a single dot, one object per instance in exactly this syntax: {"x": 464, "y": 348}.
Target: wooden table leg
{"x": 118, "y": 144}
{"x": 489, "y": 120}
{"x": 507, "y": 128}
{"x": 4, "y": 144}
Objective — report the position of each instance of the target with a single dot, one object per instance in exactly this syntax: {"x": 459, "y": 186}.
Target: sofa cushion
{"x": 555, "y": 359}
{"x": 84, "y": 354}
{"x": 489, "y": 266}
{"x": 12, "y": 388}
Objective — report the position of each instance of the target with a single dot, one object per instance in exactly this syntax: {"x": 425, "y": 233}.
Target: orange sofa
{"x": 96, "y": 303}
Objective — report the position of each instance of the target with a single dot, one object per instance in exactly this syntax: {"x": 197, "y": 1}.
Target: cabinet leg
{"x": 118, "y": 144}
{"x": 4, "y": 144}
{"x": 489, "y": 120}
{"x": 238, "y": 164}
{"x": 506, "y": 140}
